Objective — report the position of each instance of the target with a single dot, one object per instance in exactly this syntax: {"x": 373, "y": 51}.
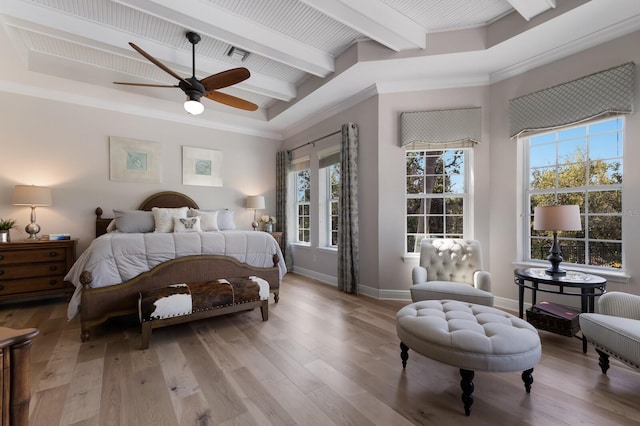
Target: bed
{"x": 119, "y": 263}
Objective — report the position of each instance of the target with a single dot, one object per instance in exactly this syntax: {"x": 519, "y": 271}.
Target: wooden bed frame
{"x": 99, "y": 304}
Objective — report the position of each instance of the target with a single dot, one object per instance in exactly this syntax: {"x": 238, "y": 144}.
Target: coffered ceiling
{"x": 307, "y": 58}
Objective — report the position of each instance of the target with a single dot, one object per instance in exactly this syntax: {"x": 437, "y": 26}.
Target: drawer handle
{"x": 53, "y": 282}
{"x": 53, "y": 268}
{"x": 1, "y": 257}
{"x": 1, "y": 272}
{"x": 1, "y": 287}
{"x": 53, "y": 253}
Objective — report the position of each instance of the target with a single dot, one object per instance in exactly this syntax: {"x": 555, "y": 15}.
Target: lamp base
{"x": 255, "y": 225}
{"x": 32, "y": 229}
{"x": 555, "y": 272}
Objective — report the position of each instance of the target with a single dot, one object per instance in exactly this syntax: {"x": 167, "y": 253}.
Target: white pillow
{"x": 188, "y": 224}
{"x": 164, "y": 217}
{"x": 226, "y": 220}
{"x": 208, "y": 219}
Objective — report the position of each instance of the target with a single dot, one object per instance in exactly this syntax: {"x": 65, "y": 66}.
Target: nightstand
{"x": 278, "y": 237}
{"x": 35, "y": 268}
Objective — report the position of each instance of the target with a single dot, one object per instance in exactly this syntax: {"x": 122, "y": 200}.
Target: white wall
{"x": 66, "y": 147}
{"x": 504, "y": 219}
{"x": 496, "y": 196}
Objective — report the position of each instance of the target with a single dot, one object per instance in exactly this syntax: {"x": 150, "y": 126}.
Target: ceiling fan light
{"x": 193, "y": 107}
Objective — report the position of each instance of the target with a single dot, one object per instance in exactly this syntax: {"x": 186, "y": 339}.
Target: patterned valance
{"x": 451, "y": 128}
{"x": 602, "y": 93}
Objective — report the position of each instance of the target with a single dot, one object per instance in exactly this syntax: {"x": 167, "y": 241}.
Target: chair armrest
{"x": 419, "y": 274}
{"x": 620, "y": 304}
{"x": 482, "y": 280}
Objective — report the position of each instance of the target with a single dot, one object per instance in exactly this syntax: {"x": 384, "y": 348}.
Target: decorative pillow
{"x": 226, "y": 220}
{"x": 164, "y": 217}
{"x": 188, "y": 224}
{"x": 111, "y": 227}
{"x": 131, "y": 221}
{"x": 208, "y": 219}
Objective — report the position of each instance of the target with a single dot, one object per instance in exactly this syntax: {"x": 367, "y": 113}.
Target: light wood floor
{"x": 323, "y": 358}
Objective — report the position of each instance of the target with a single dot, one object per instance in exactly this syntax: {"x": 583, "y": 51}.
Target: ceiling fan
{"x": 207, "y": 87}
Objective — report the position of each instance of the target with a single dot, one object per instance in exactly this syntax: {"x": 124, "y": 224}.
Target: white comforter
{"x": 117, "y": 257}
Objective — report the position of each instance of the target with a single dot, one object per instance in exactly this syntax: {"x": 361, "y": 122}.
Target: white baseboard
{"x": 404, "y": 295}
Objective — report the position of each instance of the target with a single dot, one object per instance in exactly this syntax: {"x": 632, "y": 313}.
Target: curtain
{"x": 348, "y": 231}
{"x": 283, "y": 163}
{"x": 596, "y": 95}
{"x": 439, "y": 129}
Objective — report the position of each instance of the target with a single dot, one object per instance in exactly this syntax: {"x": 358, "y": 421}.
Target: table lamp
{"x": 34, "y": 196}
{"x": 556, "y": 218}
{"x": 255, "y": 202}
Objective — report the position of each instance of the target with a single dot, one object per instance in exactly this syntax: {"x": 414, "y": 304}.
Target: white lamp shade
{"x": 193, "y": 107}
{"x": 557, "y": 218}
{"x": 29, "y": 195}
{"x": 255, "y": 202}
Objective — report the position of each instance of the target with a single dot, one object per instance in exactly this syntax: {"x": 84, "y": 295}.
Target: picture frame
{"x": 201, "y": 166}
{"x": 133, "y": 160}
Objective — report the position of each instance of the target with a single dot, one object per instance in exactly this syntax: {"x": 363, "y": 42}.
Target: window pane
{"x": 415, "y": 205}
{"x": 415, "y": 184}
{"x": 436, "y": 225}
{"x": 605, "y": 201}
{"x": 415, "y": 163}
{"x": 543, "y": 178}
{"x": 454, "y": 205}
{"x": 605, "y": 227}
{"x": 605, "y": 254}
{"x": 454, "y": 224}
{"x": 455, "y": 184}
{"x": 587, "y": 172}
{"x": 434, "y": 205}
{"x": 543, "y": 155}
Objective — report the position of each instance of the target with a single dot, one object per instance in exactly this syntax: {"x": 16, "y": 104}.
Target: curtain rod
{"x": 316, "y": 140}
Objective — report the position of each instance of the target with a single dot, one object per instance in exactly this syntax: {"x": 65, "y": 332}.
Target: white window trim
{"x": 522, "y": 240}
{"x": 467, "y": 212}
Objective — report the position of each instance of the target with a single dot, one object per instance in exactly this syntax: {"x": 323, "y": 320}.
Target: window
{"x": 303, "y": 199}
{"x": 333, "y": 184}
{"x": 436, "y": 193}
{"x": 578, "y": 165}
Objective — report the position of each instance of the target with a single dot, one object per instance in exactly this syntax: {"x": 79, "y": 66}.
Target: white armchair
{"x": 451, "y": 269}
{"x": 615, "y": 329}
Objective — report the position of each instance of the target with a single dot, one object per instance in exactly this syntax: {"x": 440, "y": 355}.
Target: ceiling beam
{"x": 376, "y": 20}
{"x": 208, "y": 19}
{"x": 531, "y": 8}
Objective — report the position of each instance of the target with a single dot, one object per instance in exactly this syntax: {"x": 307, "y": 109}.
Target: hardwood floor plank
{"x": 83, "y": 400}
{"x": 324, "y": 357}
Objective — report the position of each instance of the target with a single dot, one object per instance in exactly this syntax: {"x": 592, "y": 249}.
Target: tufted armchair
{"x": 615, "y": 330}
{"x": 451, "y": 269}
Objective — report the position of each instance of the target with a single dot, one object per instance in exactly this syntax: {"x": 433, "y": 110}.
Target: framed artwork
{"x": 201, "y": 166}
{"x": 132, "y": 160}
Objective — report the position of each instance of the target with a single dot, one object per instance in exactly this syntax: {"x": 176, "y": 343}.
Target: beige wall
{"x": 496, "y": 194}
{"x": 66, "y": 147}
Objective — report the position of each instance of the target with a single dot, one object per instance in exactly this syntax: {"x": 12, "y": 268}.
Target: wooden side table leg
{"x": 527, "y": 378}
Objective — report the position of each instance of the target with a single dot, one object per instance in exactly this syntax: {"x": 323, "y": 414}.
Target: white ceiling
{"x": 308, "y": 58}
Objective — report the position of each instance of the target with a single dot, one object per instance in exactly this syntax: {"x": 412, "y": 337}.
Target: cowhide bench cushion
{"x": 179, "y": 303}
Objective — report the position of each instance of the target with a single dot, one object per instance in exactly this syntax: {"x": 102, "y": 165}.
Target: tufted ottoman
{"x": 470, "y": 337}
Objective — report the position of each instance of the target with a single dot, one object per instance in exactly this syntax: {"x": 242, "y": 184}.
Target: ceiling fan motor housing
{"x": 195, "y": 91}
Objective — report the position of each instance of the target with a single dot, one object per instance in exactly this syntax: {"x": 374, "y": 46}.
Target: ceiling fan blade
{"x": 159, "y": 64}
{"x": 225, "y": 78}
{"x": 223, "y": 98}
{"x": 145, "y": 85}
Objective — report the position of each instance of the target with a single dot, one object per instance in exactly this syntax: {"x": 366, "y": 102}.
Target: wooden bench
{"x": 180, "y": 303}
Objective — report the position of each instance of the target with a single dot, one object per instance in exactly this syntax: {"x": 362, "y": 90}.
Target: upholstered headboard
{"x": 167, "y": 199}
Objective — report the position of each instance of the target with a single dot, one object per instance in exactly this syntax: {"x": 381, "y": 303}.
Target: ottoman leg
{"x": 527, "y": 378}
{"x": 404, "y": 354}
{"x": 603, "y": 362}
{"x": 264, "y": 309}
{"x": 467, "y": 389}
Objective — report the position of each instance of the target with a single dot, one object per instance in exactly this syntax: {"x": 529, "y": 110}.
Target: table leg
{"x": 520, "y": 298}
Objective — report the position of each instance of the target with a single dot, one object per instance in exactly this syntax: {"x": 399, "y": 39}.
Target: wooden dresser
{"x": 15, "y": 391}
{"x": 35, "y": 268}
